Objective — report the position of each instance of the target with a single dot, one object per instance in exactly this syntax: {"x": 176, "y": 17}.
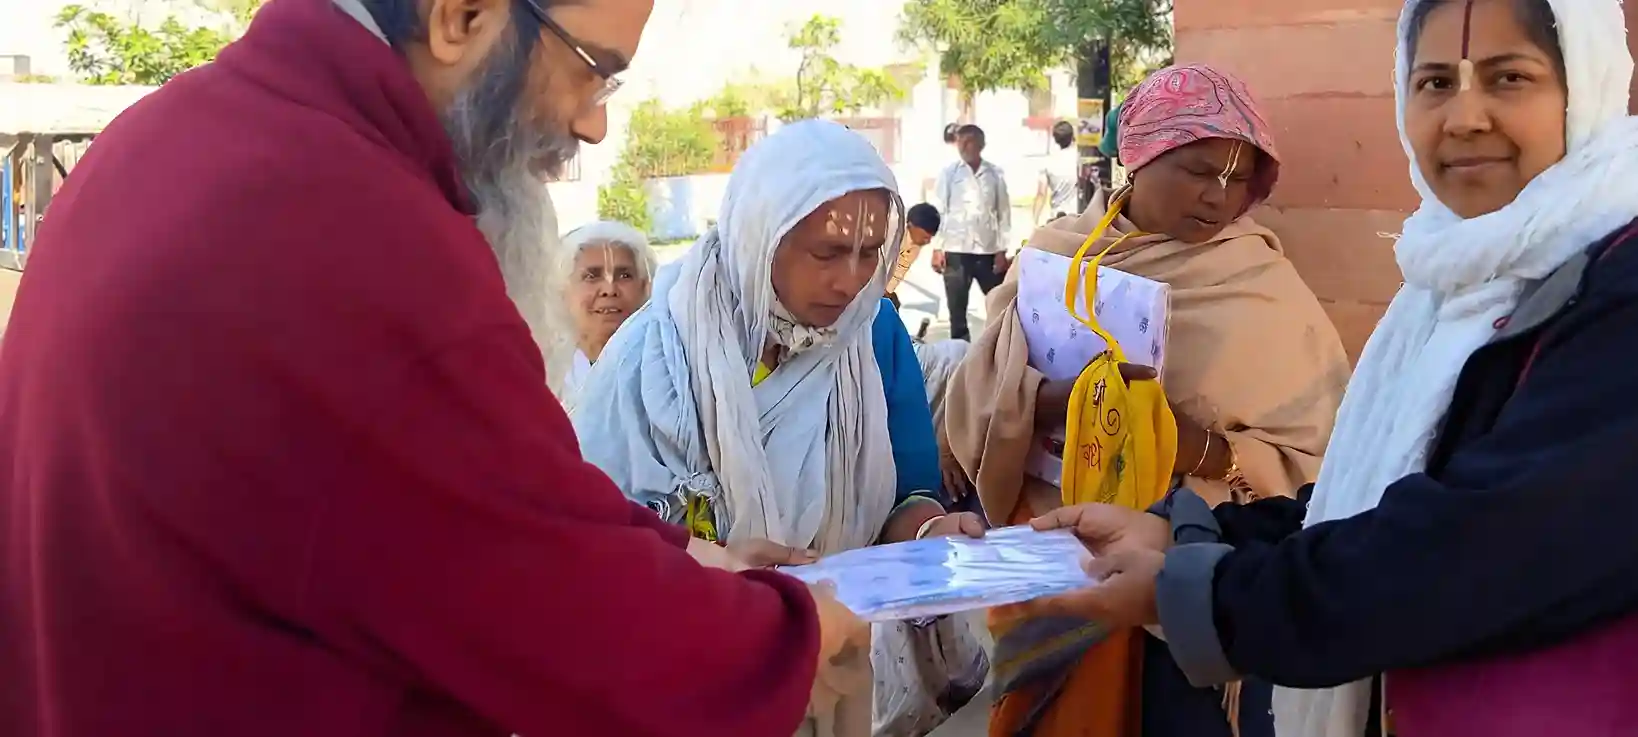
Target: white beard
{"x": 501, "y": 157}
{"x": 517, "y": 217}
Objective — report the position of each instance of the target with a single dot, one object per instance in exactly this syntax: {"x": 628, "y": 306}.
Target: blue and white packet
{"x": 937, "y": 576}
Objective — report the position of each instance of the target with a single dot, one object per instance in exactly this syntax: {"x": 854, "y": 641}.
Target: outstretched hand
{"x": 759, "y": 553}
{"x": 957, "y": 524}
{"x": 1106, "y": 529}
{"x": 1125, "y": 595}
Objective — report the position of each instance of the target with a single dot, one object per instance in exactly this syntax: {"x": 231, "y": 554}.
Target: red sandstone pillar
{"x": 1323, "y": 70}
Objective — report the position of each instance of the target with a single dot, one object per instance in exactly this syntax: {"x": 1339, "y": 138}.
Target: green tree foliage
{"x": 107, "y": 50}
{"x": 741, "y": 99}
{"x": 624, "y": 199}
{"x": 663, "y": 142}
{"x": 826, "y": 86}
{"x": 1011, "y": 44}
{"x": 660, "y": 142}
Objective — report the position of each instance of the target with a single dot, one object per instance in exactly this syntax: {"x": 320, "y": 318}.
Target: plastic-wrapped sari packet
{"x": 937, "y": 576}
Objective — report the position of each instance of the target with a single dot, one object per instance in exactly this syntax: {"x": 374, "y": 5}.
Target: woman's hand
{"x": 1191, "y": 445}
{"x": 1201, "y": 453}
{"x": 759, "y": 553}
{"x": 711, "y": 555}
{"x": 908, "y": 522}
{"x": 955, "y": 479}
{"x": 956, "y": 524}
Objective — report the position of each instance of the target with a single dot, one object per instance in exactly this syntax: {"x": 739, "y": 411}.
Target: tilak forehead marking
{"x": 1465, "y": 69}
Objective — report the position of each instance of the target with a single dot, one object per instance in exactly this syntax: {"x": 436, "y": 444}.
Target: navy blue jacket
{"x": 1517, "y": 536}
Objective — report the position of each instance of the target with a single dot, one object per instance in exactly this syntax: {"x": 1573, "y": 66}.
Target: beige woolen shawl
{"x": 1250, "y": 355}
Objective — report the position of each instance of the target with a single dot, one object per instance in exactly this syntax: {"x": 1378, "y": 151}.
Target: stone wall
{"x": 1323, "y": 70}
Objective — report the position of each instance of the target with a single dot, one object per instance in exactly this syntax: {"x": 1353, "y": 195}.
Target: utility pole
{"x": 1092, "y": 83}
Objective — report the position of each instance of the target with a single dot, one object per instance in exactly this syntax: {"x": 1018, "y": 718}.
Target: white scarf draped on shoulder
{"x": 668, "y": 411}
{"x": 1462, "y": 277}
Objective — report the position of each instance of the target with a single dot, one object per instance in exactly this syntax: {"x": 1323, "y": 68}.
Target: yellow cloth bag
{"x": 1120, "y": 442}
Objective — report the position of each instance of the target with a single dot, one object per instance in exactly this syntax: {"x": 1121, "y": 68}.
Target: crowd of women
{"x": 1466, "y": 531}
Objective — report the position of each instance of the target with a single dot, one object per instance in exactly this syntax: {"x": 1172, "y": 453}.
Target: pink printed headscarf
{"x": 1180, "y": 105}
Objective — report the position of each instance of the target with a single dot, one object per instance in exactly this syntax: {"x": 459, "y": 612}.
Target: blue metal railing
{"x": 11, "y": 229}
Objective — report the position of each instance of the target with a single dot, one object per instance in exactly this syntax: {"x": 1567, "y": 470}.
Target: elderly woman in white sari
{"x": 610, "y": 277}
{"x": 748, "y": 402}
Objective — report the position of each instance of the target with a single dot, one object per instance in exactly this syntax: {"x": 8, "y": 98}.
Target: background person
{"x": 1055, "y": 191}
{"x": 971, "y": 194}
{"x": 1254, "y": 371}
{"x": 610, "y": 278}
{"x": 922, "y": 224}
{"x": 1469, "y": 531}
{"x": 752, "y": 402}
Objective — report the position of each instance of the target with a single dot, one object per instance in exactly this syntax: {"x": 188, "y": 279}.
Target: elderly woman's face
{"x": 1192, "y": 192}
{"x": 828, "y": 258}
{"x": 1478, "y": 149}
{"x": 607, "y": 288}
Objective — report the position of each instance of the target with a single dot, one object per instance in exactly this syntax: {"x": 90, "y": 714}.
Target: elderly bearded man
{"x": 277, "y": 455}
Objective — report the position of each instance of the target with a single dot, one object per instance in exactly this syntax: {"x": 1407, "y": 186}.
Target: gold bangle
{"x": 1204, "y": 453}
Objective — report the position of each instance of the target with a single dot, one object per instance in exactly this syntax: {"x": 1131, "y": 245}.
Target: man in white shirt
{"x": 1057, "y": 191}
{"x": 972, "y": 195}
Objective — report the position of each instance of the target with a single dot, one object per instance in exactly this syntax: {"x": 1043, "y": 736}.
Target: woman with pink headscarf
{"x": 1254, "y": 371}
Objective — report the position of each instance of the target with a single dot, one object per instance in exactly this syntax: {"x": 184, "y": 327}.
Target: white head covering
{"x": 676, "y": 414}
{"x": 1461, "y": 277}
{"x": 596, "y": 235}
{"x": 614, "y": 233}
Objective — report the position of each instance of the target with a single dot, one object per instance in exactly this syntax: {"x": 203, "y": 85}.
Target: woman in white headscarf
{"x": 611, "y": 272}
{"x": 747, "y": 401}
{"x": 1470, "y": 533}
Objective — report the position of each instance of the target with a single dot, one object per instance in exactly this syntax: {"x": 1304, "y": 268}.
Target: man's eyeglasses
{"x": 611, "y": 83}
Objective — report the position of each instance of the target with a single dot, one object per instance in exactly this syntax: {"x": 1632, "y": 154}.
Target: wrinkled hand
{"x": 938, "y": 261}
{"x": 1125, "y": 597}
{"x": 957, "y": 524}
{"x": 759, "y": 553}
{"x": 844, "y": 651}
{"x": 1106, "y": 529}
{"x": 712, "y": 555}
